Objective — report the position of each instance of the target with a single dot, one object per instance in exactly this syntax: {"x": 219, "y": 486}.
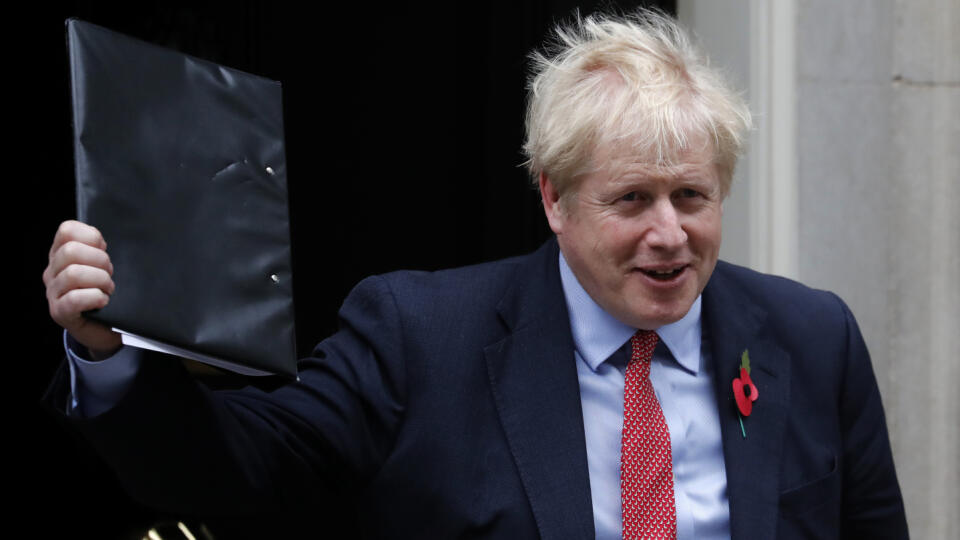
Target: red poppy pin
{"x": 744, "y": 391}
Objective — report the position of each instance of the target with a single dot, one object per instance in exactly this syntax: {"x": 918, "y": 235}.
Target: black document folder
{"x": 180, "y": 163}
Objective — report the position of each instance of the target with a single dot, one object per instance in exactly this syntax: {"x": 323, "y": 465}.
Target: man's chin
{"x": 652, "y": 315}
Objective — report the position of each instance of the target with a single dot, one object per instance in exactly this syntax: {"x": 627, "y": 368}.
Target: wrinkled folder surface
{"x": 180, "y": 163}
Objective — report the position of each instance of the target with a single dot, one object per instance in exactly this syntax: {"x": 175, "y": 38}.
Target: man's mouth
{"x": 664, "y": 274}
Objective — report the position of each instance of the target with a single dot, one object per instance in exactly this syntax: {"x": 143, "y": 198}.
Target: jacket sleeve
{"x": 177, "y": 445}
{"x": 872, "y": 506}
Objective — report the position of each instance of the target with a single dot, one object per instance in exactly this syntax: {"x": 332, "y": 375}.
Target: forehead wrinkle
{"x": 626, "y": 171}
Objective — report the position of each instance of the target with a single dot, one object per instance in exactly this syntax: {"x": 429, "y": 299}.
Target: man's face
{"x": 642, "y": 241}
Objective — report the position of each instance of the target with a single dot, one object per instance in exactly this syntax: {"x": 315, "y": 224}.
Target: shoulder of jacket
{"x": 778, "y": 294}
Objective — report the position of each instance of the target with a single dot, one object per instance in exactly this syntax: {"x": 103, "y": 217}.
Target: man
{"x": 619, "y": 382}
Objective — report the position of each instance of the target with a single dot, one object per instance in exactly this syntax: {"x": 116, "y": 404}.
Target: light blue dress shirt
{"x": 681, "y": 374}
{"x": 682, "y": 379}
{"x": 96, "y": 386}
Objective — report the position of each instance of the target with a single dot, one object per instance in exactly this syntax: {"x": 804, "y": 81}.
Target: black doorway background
{"x": 403, "y": 124}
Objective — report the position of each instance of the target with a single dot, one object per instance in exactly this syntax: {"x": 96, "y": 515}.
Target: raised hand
{"x": 78, "y": 278}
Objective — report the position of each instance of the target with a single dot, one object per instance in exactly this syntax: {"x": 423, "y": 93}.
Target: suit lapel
{"x": 534, "y": 382}
{"x": 733, "y": 324}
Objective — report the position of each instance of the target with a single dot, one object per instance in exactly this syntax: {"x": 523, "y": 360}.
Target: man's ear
{"x": 551, "y": 204}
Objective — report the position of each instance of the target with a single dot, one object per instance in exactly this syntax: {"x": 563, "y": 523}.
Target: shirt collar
{"x": 597, "y": 334}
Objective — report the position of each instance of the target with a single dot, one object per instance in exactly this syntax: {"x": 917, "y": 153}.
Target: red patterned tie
{"x": 646, "y": 462}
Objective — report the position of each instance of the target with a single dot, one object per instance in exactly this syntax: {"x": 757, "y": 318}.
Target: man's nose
{"x": 665, "y": 230}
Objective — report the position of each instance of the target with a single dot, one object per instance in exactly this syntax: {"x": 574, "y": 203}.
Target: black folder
{"x": 180, "y": 163}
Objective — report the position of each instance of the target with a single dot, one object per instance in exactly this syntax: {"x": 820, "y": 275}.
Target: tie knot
{"x": 642, "y": 344}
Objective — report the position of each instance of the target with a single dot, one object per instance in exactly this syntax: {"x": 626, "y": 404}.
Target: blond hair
{"x": 634, "y": 84}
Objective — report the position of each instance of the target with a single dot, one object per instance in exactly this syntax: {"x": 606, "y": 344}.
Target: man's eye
{"x": 687, "y": 193}
{"x": 632, "y": 196}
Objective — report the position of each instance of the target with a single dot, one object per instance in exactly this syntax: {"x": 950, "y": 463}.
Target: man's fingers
{"x": 78, "y": 231}
{"x": 78, "y": 276}
{"x": 78, "y": 279}
{"x": 67, "y": 309}
{"x": 74, "y": 252}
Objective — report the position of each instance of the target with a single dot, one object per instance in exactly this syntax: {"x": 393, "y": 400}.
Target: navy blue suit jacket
{"x": 448, "y": 404}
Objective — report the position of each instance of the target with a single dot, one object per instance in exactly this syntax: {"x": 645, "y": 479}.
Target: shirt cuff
{"x": 95, "y": 387}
